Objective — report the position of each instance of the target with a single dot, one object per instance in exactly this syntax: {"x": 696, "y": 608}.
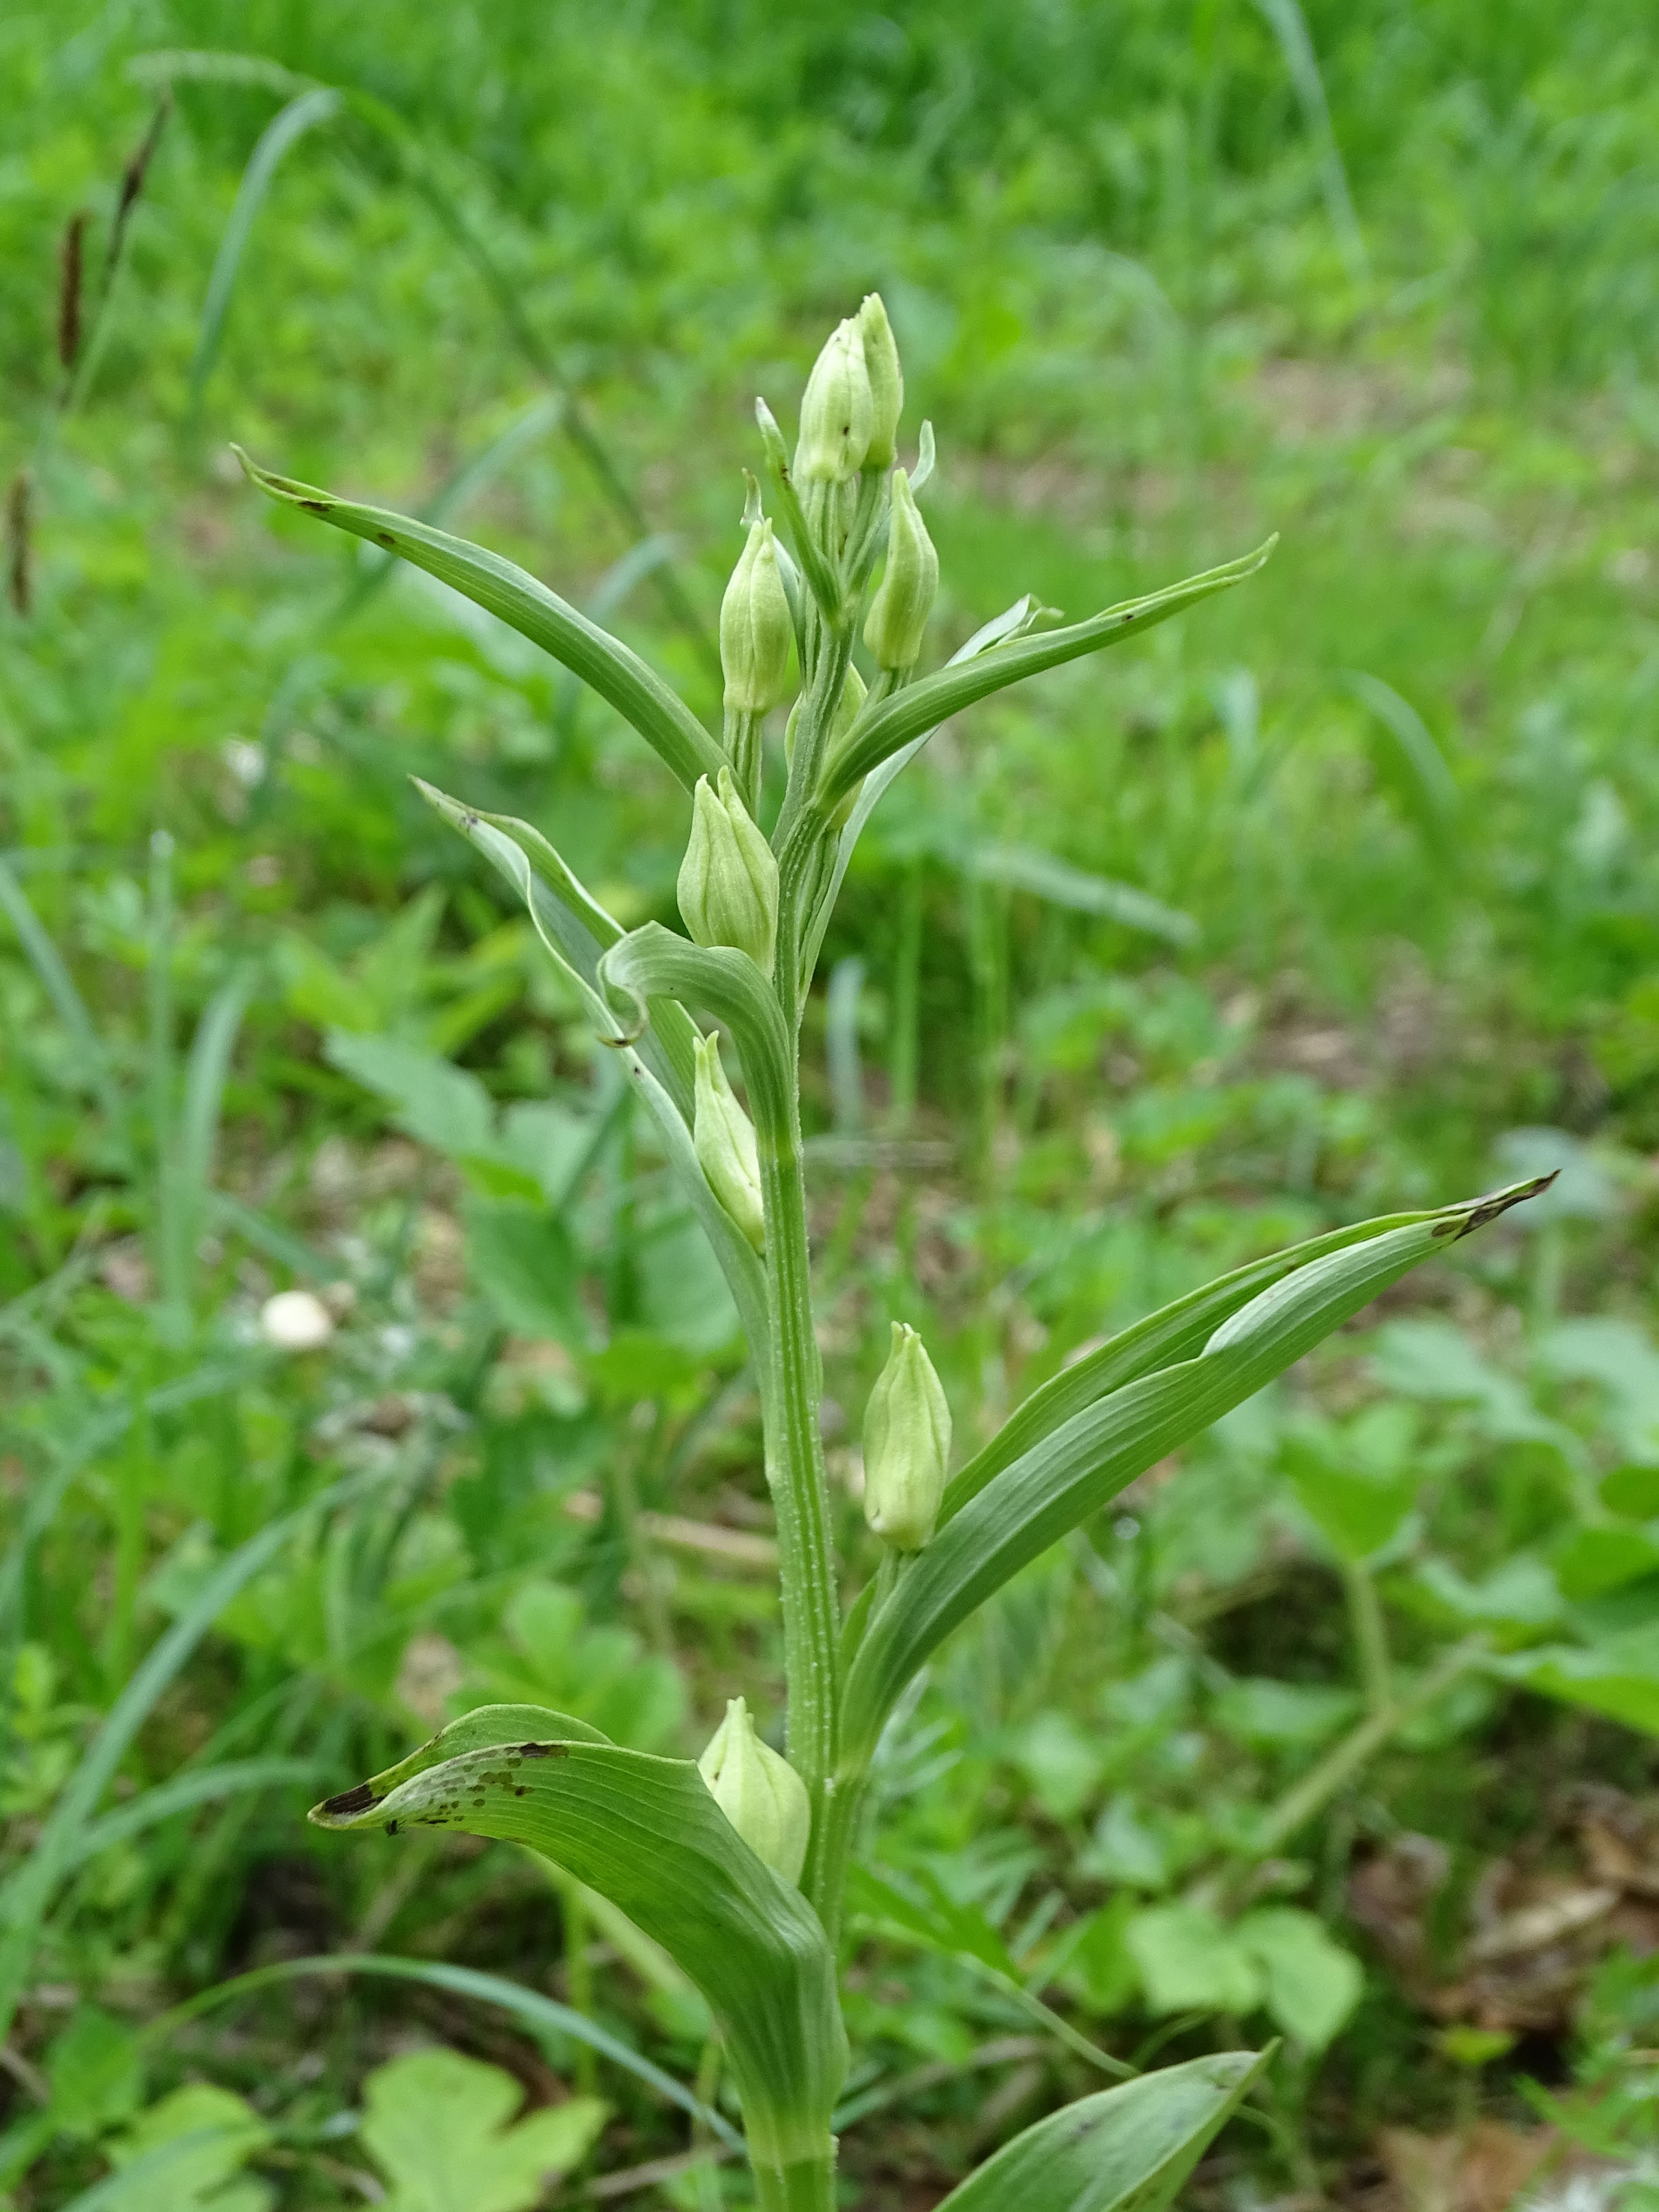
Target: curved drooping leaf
{"x": 1174, "y": 1332}
{"x": 1127, "y": 2149}
{"x": 1078, "y": 1466}
{"x": 646, "y": 1833}
{"x": 652, "y": 962}
{"x": 577, "y": 932}
{"x": 612, "y": 669}
{"x": 922, "y": 706}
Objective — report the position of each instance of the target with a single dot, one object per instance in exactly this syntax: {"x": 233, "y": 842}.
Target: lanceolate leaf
{"x": 1084, "y": 1461}
{"x": 576, "y": 931}
{"x": 646, "y": 1833}
{"x": 1127, "y": 2149}
{"x": 922, "y": 707}
{"x": 610, "y": 667}
{"x": 1176, "y": 1331}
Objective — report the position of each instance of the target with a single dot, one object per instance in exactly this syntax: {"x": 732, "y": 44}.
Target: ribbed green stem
{"x": 794, "y": 1467}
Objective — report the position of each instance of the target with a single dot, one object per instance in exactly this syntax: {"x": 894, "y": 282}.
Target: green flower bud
{"x": 907, "y": 1445}
{"x": 898, "y": 613}
{"x": 760, "y": 1793}
{"x": 728, "y": 880}
{"x": 724, "y": 1138}
{"x": 755, "y": 628}
{"x": 881, "y": 362}
{"x": 835, "y": 411}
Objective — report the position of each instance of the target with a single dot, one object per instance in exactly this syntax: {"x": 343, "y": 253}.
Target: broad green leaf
{"x": 522, "y": 1257}
{"x": 576, "y": 931}
{"x": 1356, "y": 1508}
{"x": 1128, "y": 2149}
{"x": 1631, "y": 1491}
{"x": 1593, "y": 1561}
{"x": 1076, "y": 1469}
{"x": 1521, "y": 1593}
{"x": 213, "y": 2133}
{"x": 1310, "y": 1984}
{"x": 1191, "y": 1960}
{"x": 1256, "y": 1709}
{"x": 1430, "y": 1358}
{"x": 1619, "y": 1677}
{"x": 484, "y": 1729}
{"x": 434, "y": 1102}
{"x": 922, "y": 705}
{"x": 610, "y": 667}
{"x": 646, "y": 1833}
{"x": 439, "y": 2125}
{"x": 95, "y": 2072}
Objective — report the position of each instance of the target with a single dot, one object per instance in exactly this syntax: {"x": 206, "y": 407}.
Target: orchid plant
{"x": 738, "y": 1864}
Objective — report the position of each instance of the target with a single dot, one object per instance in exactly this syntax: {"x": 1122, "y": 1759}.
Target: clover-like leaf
{"x": 438, "y": 2125}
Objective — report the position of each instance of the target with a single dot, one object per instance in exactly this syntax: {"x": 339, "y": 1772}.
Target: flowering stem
{"x": 794, "y": 1458}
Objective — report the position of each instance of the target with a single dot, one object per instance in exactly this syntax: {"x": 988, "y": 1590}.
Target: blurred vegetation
{"x": 1334, "y": 897}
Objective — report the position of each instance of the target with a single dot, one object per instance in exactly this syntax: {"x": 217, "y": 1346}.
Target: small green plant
{"x": 738, "y": 1866}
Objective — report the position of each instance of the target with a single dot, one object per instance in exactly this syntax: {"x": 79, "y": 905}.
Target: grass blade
{"x": 203, "y": 1786}
{"x": 67, "y": 1002}
{"x": 205, "y": 1074}
{"x": 312, "y": 107}
{"x": 528, "y": 2005}
{"x": 31, "y": 1891}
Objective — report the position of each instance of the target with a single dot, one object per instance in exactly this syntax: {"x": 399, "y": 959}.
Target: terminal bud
{"x": 728, "y": 880}
{"x": 907, "y": 1445}
{"x": 759, "y": 1792}
{"x": 898, "y": 620}
{"x": 755, "y": 627}
{"x": 724, "y": 1138}
{"x": 835, "y": 411}
{"x": 881, "y": 363}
